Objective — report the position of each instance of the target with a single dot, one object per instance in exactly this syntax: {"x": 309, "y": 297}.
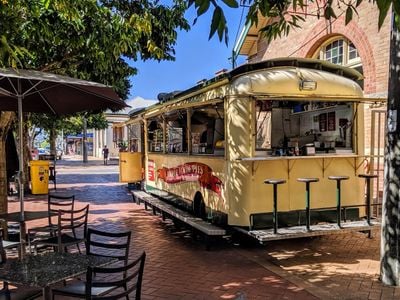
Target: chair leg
{"x": 29, "y": 243}
{"x": 79, "y": 249}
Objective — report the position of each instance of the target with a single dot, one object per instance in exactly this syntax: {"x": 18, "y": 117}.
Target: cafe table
{"x": 41, "y": 271}
{"x": 20, "y": 218}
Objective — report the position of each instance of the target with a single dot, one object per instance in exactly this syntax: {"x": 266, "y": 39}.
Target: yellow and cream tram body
{"x": 211, "y": 147}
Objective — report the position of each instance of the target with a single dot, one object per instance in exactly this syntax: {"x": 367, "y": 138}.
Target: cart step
{"x": 315, "y": 230}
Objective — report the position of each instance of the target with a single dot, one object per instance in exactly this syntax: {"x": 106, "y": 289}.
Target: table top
{"x": 28, "y": 216}
{"x": 52, "y": 267}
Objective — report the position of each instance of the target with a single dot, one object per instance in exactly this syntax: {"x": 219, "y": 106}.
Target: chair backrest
{"x": 57, "y": 202}
{"x": 72, "y": 221}
{"x": 127, "y": 279}
{"x": 3, "y": 255}
{"x": 110, "y": 244}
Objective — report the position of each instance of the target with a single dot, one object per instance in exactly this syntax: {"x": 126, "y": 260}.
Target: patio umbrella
{"x": 40, "y": 92}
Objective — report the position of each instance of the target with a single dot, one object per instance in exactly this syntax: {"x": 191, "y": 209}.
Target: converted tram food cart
{"x": 213, "y": 145}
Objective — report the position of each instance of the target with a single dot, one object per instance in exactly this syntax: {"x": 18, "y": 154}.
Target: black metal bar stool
{"x": 368, "y": 178}
{"x": 308, "y": 197}
{"x": 338, "y": 195}
{"x": 275, "y": 183}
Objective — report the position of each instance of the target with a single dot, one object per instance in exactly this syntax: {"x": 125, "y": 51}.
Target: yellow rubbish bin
{"x": 39, "y": 176}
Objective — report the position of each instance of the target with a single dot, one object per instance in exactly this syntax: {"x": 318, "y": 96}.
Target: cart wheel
{"x": 199, "y": 207}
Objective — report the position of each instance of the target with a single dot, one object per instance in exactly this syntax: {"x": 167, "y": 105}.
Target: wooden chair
{"x": 15, "y": 294}
{"x": 71, "y": 229}
{"x": 109, "y": 282}
{"x": 54, "y": 204}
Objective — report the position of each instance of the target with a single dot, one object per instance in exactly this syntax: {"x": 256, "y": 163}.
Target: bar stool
{"x": 338, "y": 195}
{"x": 368, "y": 178}
{"x": 308, "y": 196}
{"x": 275, "y": 183}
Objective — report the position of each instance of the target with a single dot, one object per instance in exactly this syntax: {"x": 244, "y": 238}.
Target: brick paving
{"x": 178, "y": 267}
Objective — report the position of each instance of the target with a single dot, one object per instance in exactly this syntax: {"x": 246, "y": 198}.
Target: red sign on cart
{"x": 192, "y": 171}
{"x": 150, "y": 170}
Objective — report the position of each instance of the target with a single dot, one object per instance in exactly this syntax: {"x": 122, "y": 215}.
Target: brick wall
{"x": 373, "y": 45}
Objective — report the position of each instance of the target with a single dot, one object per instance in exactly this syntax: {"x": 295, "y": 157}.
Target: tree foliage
{"x": 282, "y": 19}
{"x": 87, "y": 39}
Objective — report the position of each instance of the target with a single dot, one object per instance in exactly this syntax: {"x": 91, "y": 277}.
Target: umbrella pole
{"x": 21, "y": 150}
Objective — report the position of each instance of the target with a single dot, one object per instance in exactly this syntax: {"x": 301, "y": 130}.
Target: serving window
{"x": 208, "y": 130}
{"x": 135, "y": 137}
{"x": 198, "y": 130}
{"x": 292, "y": 128}
{"x": 155, "y": 135}
{"x": 176, "y": 132}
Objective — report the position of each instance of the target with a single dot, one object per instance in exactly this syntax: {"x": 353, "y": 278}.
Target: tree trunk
{"x": 52, "y": 140}
{"x": 6, "y": 119}
{"x": 390, "y": 235}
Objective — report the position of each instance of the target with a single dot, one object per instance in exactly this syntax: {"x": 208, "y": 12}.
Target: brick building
{"x": 358, "y": 45}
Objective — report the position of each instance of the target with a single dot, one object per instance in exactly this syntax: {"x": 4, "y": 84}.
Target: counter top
{"x": 317, "y": 156}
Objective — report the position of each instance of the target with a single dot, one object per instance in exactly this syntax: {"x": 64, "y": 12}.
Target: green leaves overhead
{"x": 218, "y": 21}
{"x": 285, "y": 15}
{"x": 231, "y": 3}
{"x": 349, "y": 14}
{"x": 383, "y": 6}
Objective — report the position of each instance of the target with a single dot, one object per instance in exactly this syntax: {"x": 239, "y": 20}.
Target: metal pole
{"x": 368, "y": 200}
{"x": 21, "y": 151}
{"x": 84, "y": 145}
{"x": 338, "y": 202}
{"x": 62, "y": 141}
{"x": 275, "y": 213}
{"x": 308, "y": 206}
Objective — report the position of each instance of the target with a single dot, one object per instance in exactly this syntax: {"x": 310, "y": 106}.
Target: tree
{"x": 86, "y": 39}
{"x": 282, "y": 20}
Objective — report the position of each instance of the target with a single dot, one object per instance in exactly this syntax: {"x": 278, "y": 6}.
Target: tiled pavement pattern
{"x": 177, "y": 267}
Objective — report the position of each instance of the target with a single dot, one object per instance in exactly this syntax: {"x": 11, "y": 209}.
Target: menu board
{"x": 331, "y": 121}
{"x": 323, "y": 122}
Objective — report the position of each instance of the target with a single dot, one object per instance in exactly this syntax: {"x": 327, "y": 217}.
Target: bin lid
{"x": 43, "y": 163}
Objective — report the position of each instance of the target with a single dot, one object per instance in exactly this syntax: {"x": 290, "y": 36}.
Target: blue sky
{"x": 196, "y": 58}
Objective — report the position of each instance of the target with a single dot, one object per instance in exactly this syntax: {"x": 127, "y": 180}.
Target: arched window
{"x": 340, "y": 51}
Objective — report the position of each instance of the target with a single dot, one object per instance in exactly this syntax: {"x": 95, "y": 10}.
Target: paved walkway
{"x": 177, "y": 267}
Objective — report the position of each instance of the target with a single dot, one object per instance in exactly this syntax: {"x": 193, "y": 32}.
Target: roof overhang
{"x": 248, "y": 38}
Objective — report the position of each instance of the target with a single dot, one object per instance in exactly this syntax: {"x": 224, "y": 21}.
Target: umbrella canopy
{"x": 49, "y": 93}
{"x": 40, "y": 92}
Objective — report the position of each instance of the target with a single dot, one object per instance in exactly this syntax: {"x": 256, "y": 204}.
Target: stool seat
{"x": 367, "y": 175}
{"x": 308, "y": 179}
{"x": 274, "y": 181}
{"x": 338, "y": 177}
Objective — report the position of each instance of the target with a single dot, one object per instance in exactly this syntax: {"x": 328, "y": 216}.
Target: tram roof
{"x": 309, "y": 63}
{"x": 281, "y": 63}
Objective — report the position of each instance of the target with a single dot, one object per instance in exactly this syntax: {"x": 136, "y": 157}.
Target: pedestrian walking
{"x": 105, "y": 154}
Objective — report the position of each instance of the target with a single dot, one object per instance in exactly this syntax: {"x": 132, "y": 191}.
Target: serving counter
{"x": 257, "y": 197}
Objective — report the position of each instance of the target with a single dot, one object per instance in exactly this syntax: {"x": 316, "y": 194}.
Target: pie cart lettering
{"x": 150, "y": 172}
{"x": 190, "y": 172}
